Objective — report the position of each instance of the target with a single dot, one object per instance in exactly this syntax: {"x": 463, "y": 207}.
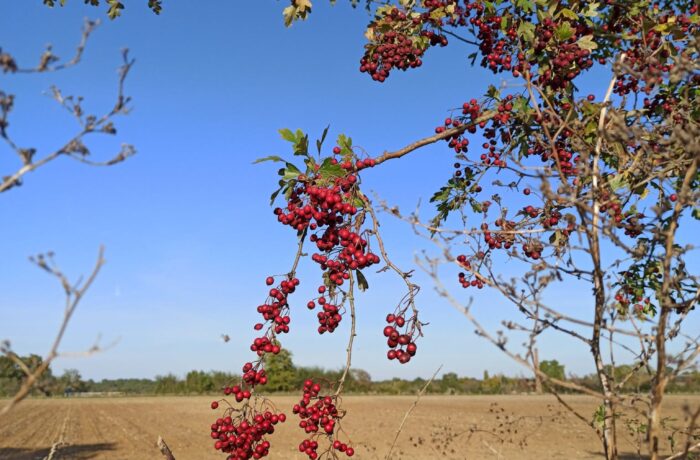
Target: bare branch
{"x": 73, "y": 294}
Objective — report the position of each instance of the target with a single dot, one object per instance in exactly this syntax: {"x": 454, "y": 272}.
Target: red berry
{"x": 214, "y": 404}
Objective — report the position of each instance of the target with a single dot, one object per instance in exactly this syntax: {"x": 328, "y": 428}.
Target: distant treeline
{"x": 284, "y": 376}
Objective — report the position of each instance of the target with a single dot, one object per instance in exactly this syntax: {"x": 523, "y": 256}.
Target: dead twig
{"x": 410, "y": 409}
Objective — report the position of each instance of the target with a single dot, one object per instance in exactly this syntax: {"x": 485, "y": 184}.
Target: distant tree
{"x": 282, "y": 373}
{"x": 552, "y": 369}
{"x": 199, "y": 382}
{"x": 168, "y": 384}
{"x": 72, "y": 381}
{"x": 449, "y": 382}
{"x": 362, "y": 381}
{"x": 492, "y": 385}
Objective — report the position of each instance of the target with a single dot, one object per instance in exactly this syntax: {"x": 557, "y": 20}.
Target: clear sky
{"x": 187, "y": 226}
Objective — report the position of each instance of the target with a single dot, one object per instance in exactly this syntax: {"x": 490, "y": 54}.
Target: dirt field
{"x": 455, "y": 427}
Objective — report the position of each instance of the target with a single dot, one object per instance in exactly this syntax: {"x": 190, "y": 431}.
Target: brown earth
{"x": 440, "y": 427}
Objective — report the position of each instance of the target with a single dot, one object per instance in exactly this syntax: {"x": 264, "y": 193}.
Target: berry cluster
{"x": 330, "y": 317}
{"x": 499, "y": 239}
{"x": 398, "y": 42}
{"x": 342, "y": 250}
{"x": 237, "y": 393}
{"x": 319, "y": 415}
{"x": 402, "y": 346}
{"x": 327, "y": 208}
{"x": 464, "y": 279}
{"x": 253, "y": 375}
{"x": 274, "y": 311}
{"x": 648, "y": 54}
{"x": 243, "y": 438}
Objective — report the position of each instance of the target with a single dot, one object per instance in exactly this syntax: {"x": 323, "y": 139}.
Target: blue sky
{"x": 186, "y": 223}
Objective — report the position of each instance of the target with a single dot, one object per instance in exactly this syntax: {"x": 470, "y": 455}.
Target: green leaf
{"x": 288, "y": 135}
{"x": 319, "y": 142}
{"x": 274, "y": 195}
{"x": 526, "y": 5}
{"x": 441, "y": 195}
{"x": 527, "y": 31}
{"x": 476, "y": 206}
{"x": 291, "y": 172}
{"x": 586, "y": 42}
{"x": 493, "y": 92}
{"x": 328, "y": 169}
{"x": 361, "y": 281}
{"x": 618, "y": 182}
{"x": 310, "y": 165}
{"x": 357, "y": 202}
{"x": 567, "y": 13}
{"x": 592, "y": 10}
{"x": 564, "y": 31}
{"x": 344, "y": 142}
{"x": 270, "y": 158}
{"x": 301, "y": 147}
{"x": 437, "y": 14}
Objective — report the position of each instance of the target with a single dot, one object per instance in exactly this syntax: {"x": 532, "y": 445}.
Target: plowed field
{"x": 441, "y": 427}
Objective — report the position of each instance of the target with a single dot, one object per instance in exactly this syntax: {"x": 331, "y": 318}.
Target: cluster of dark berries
{"x": 402, "y": 346}
{"x": 464, "y": 279}
{"x": 398, "y": 41}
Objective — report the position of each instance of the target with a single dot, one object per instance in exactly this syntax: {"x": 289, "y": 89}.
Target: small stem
{"x": 348, "y": 363}
{"x": 410, "y": 409}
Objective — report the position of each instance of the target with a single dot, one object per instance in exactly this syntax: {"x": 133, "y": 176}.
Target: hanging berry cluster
{"x": 325, "y": 204}
{"x": 241, "y": 432}
{"x": 401, "y": 335}
{"x": 243, "y": 436}
{"x": 319, "y": 418}
{"x": 401, "y": 47}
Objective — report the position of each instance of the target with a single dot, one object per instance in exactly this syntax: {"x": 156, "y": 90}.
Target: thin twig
{"x": 410, "y": 409}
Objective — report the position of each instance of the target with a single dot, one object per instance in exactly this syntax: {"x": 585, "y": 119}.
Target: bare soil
{"x": 440, "y": 427}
